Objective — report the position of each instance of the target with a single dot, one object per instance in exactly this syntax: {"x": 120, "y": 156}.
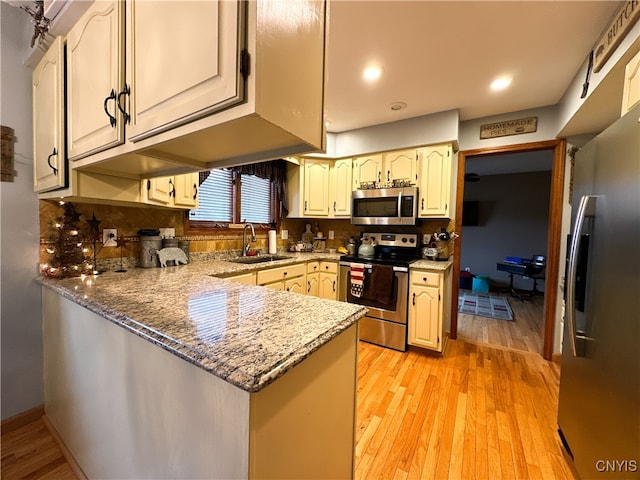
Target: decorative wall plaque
{"x": 624, "y": 19}
{"x": 509, "y": 127}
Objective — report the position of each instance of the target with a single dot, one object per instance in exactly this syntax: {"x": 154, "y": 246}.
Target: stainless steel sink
{"x": 258, "y": 259}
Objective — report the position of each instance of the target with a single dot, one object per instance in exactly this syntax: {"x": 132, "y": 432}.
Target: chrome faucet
{"x": 246, "y": 245}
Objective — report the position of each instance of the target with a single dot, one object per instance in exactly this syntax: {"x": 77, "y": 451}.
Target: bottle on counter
{"x": 273, "y": 244}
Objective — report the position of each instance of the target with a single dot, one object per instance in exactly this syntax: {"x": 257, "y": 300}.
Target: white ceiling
{"x": 442, "y": 55}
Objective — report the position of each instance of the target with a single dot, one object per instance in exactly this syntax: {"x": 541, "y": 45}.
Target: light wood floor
{"x": 31, "y": 453}
{"x": 476, "y": 412}
{"x": 524, "y": 333}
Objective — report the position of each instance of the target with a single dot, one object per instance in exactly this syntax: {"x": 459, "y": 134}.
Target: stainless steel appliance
{"x": 384, "y": 206}
{"x": 599, "y": 400}
{"x": 385, "y": 322}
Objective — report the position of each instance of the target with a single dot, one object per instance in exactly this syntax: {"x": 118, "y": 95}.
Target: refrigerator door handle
{"x": 587, "y": 208}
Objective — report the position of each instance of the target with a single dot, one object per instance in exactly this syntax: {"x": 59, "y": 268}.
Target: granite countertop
{"x": 246, "y": 335}
{"x": 432, "y": 265}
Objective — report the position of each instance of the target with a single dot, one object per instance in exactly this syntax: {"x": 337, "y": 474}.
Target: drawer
{"x": 281, "y": 273}
{"x": 330, "y": 267}
{"x": 420, "y": 277}
{"x": 313, "y": 267}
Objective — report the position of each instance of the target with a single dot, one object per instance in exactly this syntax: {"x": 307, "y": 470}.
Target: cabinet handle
{"x": 334, "y": 207}
{"x": 284, "y": 274}
{"x": 126, "y": 91}
{"x": 334, "y": 286}
{"x": 172, "y": 192}
{"x": 53, "y": 154}
{"x": 379, "y": 177}
{"x": 388, "y": 175}
{"x": 195, "y": 191}
{"x": 308, "y": 287}
{"x": 288, "y": 289}
{"x": 112, "y": 119}
{"x": 305, "y": 205}
{"x": 414, "y": 299}
{"x": 424, "y": 279}
{"x": 422, "y": 204}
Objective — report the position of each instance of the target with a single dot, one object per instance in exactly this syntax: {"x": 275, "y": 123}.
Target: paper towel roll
{"x": 273, "y": 247}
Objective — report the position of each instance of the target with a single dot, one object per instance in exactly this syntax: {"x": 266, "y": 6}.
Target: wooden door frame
{"x": 553, "y": 231}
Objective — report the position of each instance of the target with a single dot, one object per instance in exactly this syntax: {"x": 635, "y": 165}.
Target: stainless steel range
{"x": 384, "y": 289}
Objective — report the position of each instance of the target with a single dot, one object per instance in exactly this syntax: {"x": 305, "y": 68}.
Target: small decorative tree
{"x": 67, "y": 252}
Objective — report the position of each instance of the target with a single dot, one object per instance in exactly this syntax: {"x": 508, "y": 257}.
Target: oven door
{"x": 395, "y": 311}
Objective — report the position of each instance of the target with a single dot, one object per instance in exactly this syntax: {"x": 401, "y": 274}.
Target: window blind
{"x": 255, "y": 195}
{"x": 216, "y": 198}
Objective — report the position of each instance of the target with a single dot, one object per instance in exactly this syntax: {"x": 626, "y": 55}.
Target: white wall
{"x": 20, "y": 302}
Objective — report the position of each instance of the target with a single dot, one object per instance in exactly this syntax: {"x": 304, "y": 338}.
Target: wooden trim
{"x": 12, "y": 424}
{"x": 553, "y": 233}
{"x": 63, "y": 448}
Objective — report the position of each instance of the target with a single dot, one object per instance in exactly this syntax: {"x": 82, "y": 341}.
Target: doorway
{"x": 553, "y": 231}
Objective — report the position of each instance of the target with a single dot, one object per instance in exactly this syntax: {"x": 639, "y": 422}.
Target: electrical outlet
{"x": 284, "y": 234}
{"x": 167, "y": 232}
{"x": 332, "y": 234}
{"x": 425, "y": 238}
{"x": 109, "y": 236}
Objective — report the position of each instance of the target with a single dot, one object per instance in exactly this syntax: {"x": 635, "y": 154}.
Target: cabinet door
{"x": 341, "y": 185}
{"x": 328, "y": 286}
{"x": 160, "y": 190}
{"x": 316, "y": 188}
{"x": 49, "y": 162}
{"x": 95, "y": 77}
{"x": 247, "y": 278}
{"x": 434, "y": 176}
{"x": 186, "y": 190}
{"x": 400, "y": 166}
{"x": 183, "y": 62}
{"x": 631, "y": 85}
{"x": 295, "y": 285}
{"x": 313, "y": 284}
{"x": 367, "y": 169}
{"x": 425, "y": 321}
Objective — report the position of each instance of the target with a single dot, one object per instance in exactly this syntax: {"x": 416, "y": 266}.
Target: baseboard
{"x": 556, "y": 358}
{"x": 20, "y": 420}
{"x": 63, "y": 448}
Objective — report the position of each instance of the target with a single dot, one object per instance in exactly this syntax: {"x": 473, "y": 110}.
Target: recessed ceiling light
{"x": 372, "y": 73}
{"x": 395, "y": 106}
{"x": 500, "y": 83}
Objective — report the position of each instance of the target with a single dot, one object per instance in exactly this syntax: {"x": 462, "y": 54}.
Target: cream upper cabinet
{"x": 631, "y": 85}
{"x": 429, "y": 309}
{"x": 49, "y": 163}
{"x": 400, "y": 165}
{"x": 367, "y": 169}
{"x": 182, "y": 62}
{"x": 434, "y": 181}
{"x": 340, "y": 188}
{"x": 180, "y": 191}
{"x": 95, "y": 80}
{"x": 316, "y": 187}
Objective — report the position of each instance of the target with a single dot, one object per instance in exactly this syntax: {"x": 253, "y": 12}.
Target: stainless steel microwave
{"x": 385, "y": 206}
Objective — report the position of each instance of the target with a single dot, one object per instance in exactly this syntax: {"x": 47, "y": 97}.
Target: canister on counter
{"x": 149, "y": 246}
{"x": 184, "y": 246}
{"x": 170, "y": 242}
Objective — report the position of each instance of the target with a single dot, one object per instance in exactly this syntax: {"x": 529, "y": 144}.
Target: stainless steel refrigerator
{"x": 599, "y": 399}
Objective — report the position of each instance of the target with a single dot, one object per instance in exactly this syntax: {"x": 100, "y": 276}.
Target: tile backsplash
{"x": 128, "y": 220}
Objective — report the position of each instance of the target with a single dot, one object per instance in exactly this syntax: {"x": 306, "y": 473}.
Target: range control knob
{"x": 412, "y": 240}
{"x": 404, "y": 239}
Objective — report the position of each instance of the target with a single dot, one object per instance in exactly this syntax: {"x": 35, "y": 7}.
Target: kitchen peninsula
{"x": 174, "y": 373}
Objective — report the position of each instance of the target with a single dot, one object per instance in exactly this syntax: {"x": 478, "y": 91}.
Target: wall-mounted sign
{"x": 509, "y": 127}
{"x": 624, "y": 19}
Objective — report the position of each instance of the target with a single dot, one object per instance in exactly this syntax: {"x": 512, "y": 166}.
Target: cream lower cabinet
{"x": 178, "y": 191}
{"x": 313, "y": 278}
{"x": 290, "y": 278}
{"x": 429, "y": 308}
{"x": 435, "y": 182}
{"x": 49, "y": 162}
{"x": 328, "y": 280}
{"x": 246, "y": 278}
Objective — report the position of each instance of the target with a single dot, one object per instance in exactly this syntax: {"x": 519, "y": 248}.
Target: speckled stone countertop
{"x": 432, "y": 265}
{"x": 246, "y": 335}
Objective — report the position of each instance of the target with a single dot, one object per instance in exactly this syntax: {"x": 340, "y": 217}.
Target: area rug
{"x": 485, "y": 306}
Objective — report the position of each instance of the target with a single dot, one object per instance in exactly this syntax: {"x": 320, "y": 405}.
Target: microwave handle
{"x": 400, "y": 206}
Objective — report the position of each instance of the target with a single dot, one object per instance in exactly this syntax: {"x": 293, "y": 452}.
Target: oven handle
{"x": 395, "y": 267}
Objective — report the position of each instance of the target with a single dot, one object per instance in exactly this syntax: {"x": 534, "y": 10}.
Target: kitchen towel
{"x": 357, "y": 279}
